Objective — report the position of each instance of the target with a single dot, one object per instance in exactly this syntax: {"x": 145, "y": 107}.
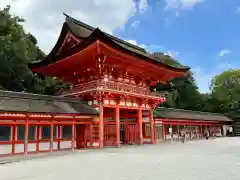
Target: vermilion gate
{"x": 131, "y": 133}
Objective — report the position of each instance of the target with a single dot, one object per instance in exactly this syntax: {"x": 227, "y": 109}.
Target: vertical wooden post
{"x": 40, "y": 131}
{"x": 13, "y": 137}
{"x": 38, "y": 137}
{"x": 190, "y": 131}
{"x": 51, "y": 134}
{"x": 85, "y": 135}
{"x": 73, "y": 133}
{"x": 178, "y": 131}
{"x": 171, "y": 133}
{"x": 58, "y": 136}
{"x": 117, "y": 119}
{"x": 16, "y": 134}
{"x": 153, "y": 141}
{"x": 140, "y": 126}
{"x": 163, "y": 130}
{"x": 210, "y": 130}
{"x": 26, "y": 137}
{"x": 101, "y": 126}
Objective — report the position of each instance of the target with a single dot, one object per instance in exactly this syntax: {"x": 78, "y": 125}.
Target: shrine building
{"x": 109, "y": 103}
{"x": 113, "y": 76}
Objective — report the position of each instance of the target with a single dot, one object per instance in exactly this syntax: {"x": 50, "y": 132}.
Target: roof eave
{"x": 97, "y": 34}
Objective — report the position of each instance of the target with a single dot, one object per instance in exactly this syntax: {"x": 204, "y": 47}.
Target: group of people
{"x": 182, "y": 136}
{"x": 206, "y": 135}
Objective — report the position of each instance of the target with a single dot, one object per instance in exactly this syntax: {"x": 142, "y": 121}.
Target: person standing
{"x": 182, "y": 137}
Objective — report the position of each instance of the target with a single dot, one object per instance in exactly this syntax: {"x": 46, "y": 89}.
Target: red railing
{"x": 108, "y": 85}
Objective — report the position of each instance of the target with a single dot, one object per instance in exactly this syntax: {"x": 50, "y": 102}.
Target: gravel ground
{"x": 217, "y": 159}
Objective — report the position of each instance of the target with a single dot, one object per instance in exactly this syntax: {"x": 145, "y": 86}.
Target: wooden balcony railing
{"x": 107, "y": 85}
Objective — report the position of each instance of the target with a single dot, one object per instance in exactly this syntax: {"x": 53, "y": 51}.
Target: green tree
{"x": 188, "y": 96}
{"x": 225, "y": 88}
{"x": 17, "y": 50}
{"x": 182, "y": 93}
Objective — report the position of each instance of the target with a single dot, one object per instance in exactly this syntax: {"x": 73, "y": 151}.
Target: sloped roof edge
{"x": 97, "y": 34}
{"x": 27, "y": 102}
{"x": 171, "y": 113}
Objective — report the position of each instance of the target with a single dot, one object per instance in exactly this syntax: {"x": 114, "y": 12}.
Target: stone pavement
{"x": 217, "y": 159}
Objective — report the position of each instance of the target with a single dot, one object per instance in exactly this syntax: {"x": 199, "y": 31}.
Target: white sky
{"x": 44, "y": 18}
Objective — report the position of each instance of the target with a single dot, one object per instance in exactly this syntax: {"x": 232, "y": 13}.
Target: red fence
{"x": 38, "y": 133}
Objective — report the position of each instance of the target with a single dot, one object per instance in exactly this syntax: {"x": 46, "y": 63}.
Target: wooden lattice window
{"x": 67, "y": 131}
{"x": 5, "y": 133}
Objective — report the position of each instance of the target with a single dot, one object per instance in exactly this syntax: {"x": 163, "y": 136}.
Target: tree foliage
{"x": 17, "y": 49}
{"x": 224, "y": 97}
{"x": 182, "y": 93}
{"x": 225, "y": 88}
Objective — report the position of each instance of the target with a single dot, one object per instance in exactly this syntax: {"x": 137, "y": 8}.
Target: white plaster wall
{"x": 5, "y": 149}
{"x": 65, "y": 144}
{"x": 146, "y": 140}
{"x": 19, "y": 148}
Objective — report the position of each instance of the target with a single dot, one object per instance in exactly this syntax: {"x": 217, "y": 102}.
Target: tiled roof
{"x": 181, "y": 114}
{"x": 25, "y": 102}
{"x": 83, "y": 30}
{"x": 91, "y": 34}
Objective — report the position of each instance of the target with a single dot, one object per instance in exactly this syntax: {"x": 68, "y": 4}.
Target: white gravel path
{"x": 217, "y": 159}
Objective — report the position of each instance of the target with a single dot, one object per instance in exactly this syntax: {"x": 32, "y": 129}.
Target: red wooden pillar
{"x": 101, "y": 126}
{"x": 13, "y": 138}
{"x": 117, "y": 127}
{"x": 26, "y": 137}
{"x": 51, "y": 135}
{"x": 73, "y": 134}
{"x": 140, "y": 126}
{"x": 85, "y": 136}
{"x": 153, "y": 141}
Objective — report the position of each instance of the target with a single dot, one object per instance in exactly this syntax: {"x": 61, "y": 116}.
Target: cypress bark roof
{"x": 181, "y": 114}
{"x": 34, "y": 103}
{"x": 83, "y": 30}
{"x": 86, "y": 32}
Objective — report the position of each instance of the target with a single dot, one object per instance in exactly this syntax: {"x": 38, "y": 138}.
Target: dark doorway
{"x": 81, "y": 136}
